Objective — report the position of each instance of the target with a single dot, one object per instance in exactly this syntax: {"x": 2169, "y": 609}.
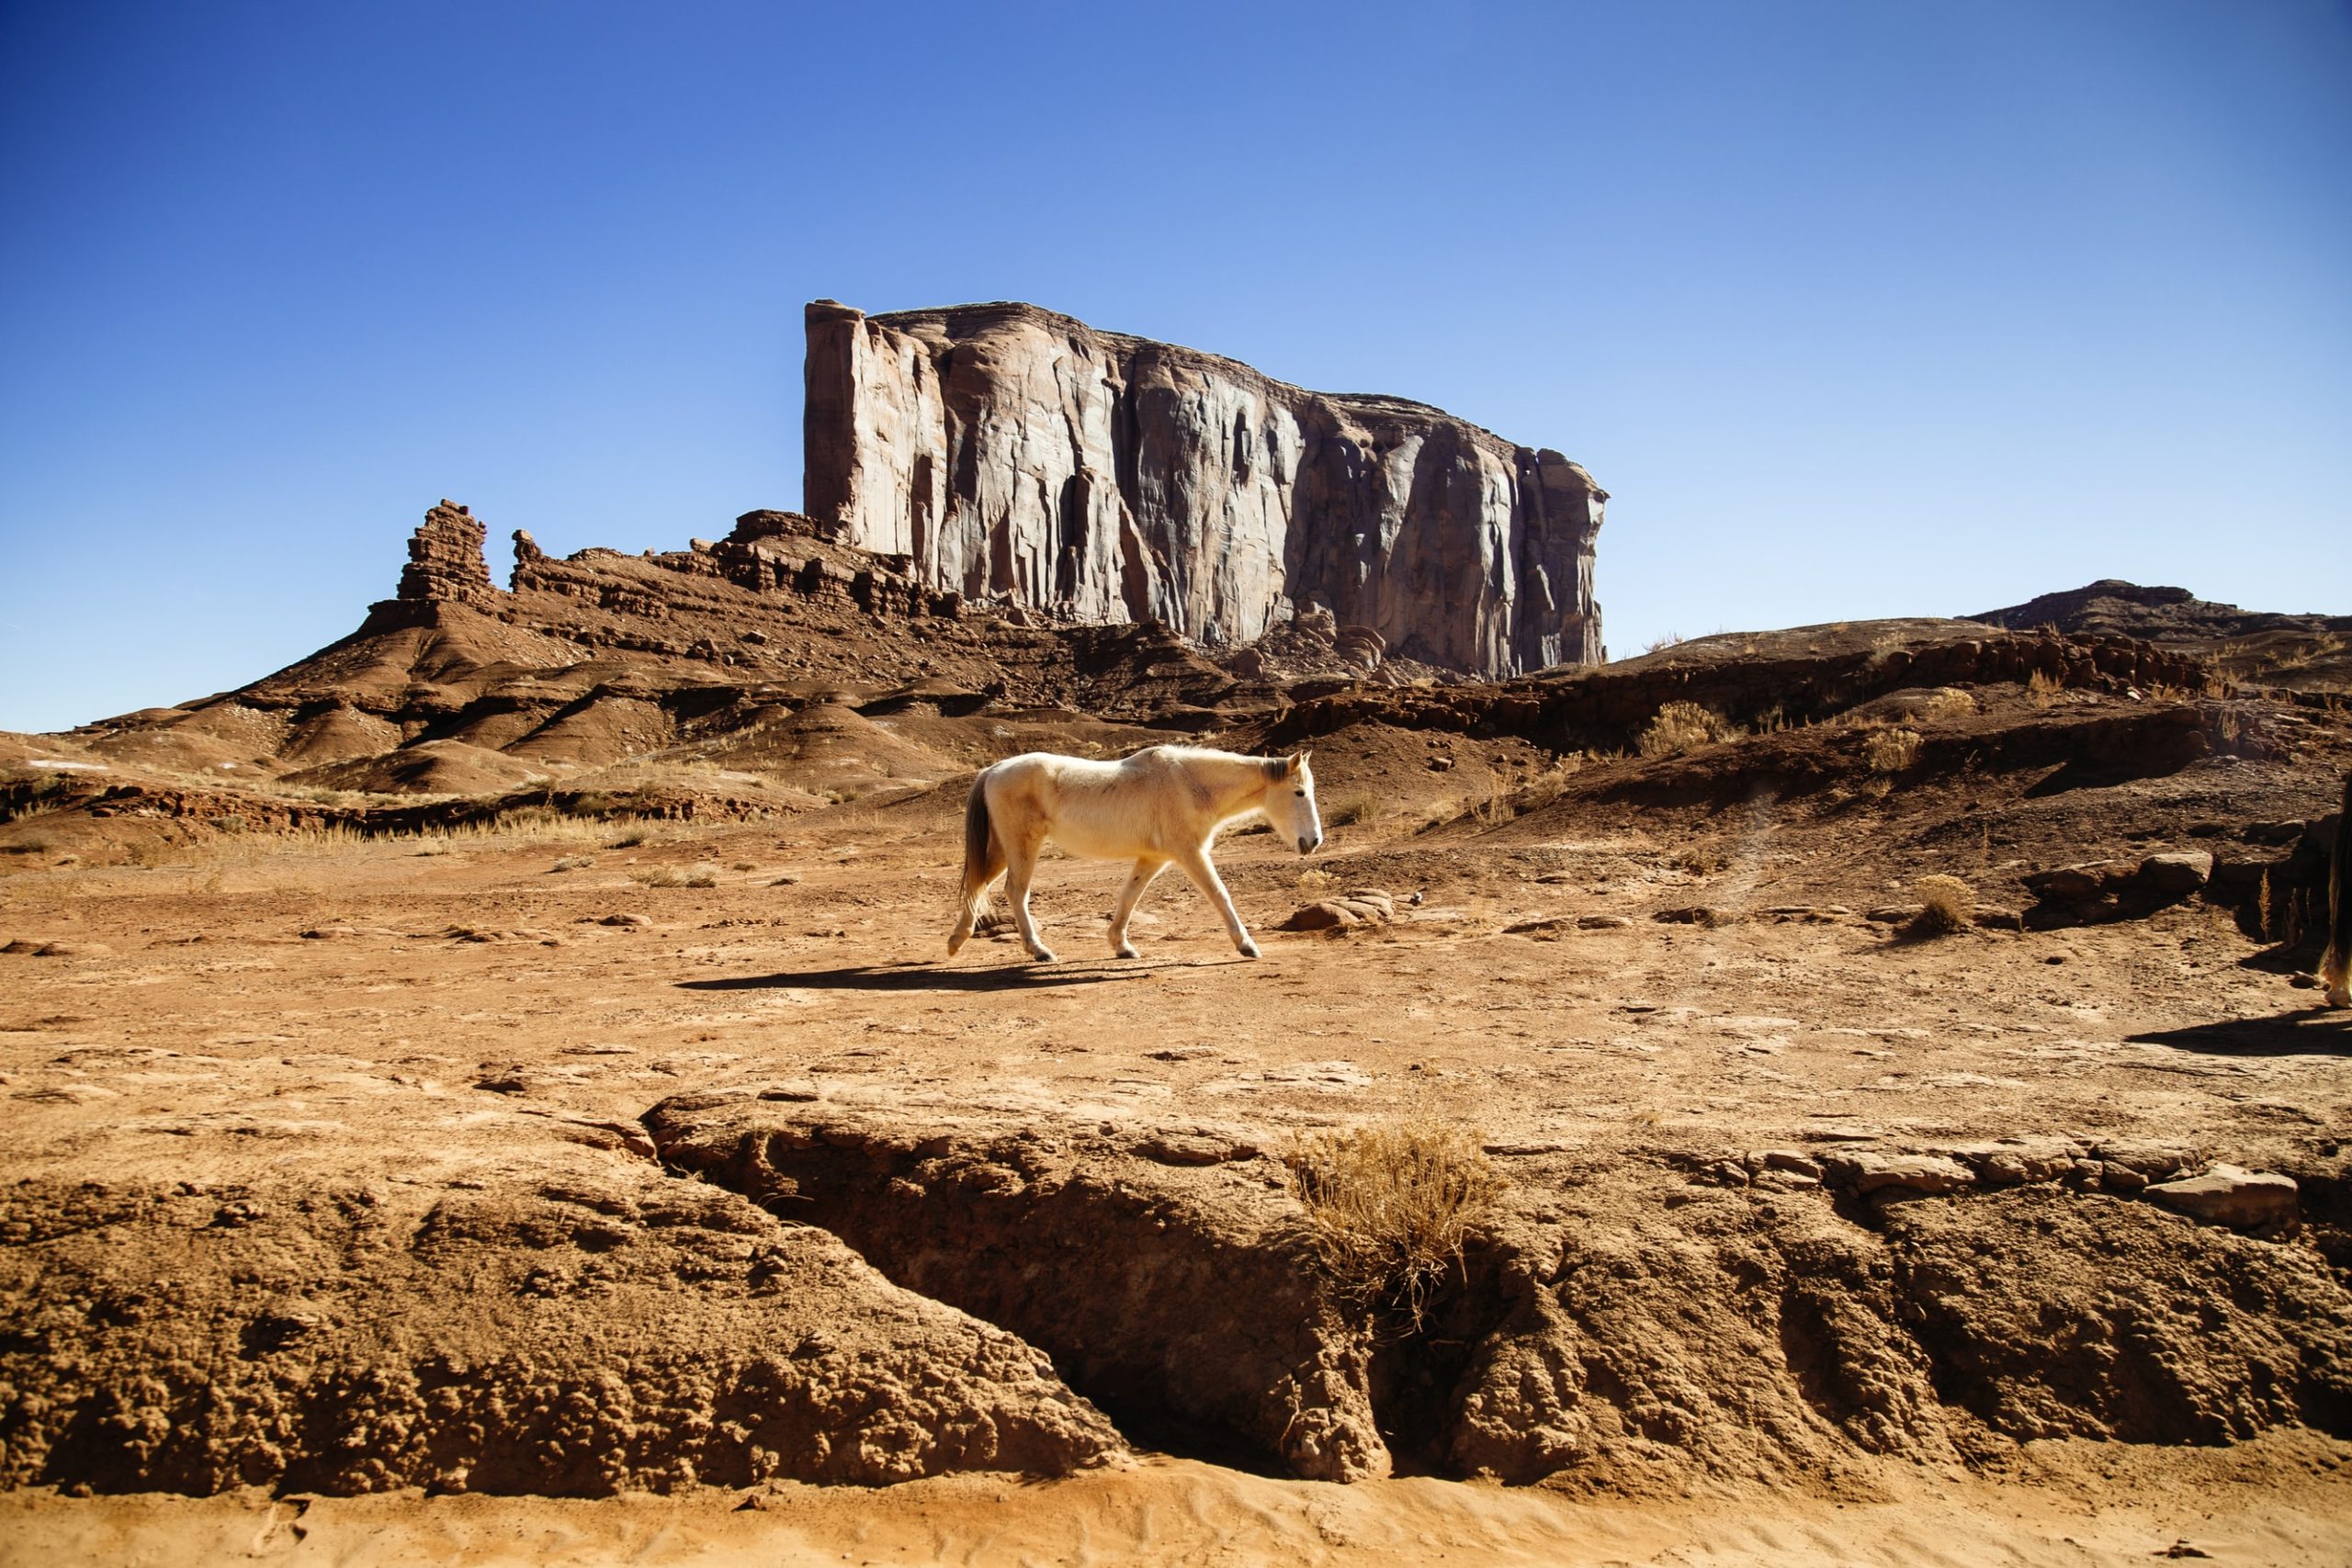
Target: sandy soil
{"x": 466, "y": 1018}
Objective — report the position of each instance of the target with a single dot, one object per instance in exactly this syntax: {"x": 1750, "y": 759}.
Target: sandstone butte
{"x": 1007, "y": 450}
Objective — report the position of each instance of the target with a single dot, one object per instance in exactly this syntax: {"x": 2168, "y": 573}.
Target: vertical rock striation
{"x": 1008, "y": 450}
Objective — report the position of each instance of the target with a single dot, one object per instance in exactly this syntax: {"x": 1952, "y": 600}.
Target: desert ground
{"x": 448, "y": 1195}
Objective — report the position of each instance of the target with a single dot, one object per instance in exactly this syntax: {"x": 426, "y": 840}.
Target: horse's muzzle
{"x": 1308, "y": 846}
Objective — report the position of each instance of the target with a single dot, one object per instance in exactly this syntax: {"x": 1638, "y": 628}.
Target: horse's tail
{"x": 979, "y": 866}
{"x": 2335, "y": 964}
{"x": 975, "y": 838}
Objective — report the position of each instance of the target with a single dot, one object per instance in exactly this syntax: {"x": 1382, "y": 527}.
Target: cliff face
{"x": 1008, "y": 450}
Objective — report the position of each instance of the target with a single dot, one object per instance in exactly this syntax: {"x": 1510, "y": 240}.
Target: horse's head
{"x": 1290, "y": 802}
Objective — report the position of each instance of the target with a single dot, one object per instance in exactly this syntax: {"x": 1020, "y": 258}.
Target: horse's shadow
{"x": 2305, "y": 1031}
{"x": 933, "y": 978}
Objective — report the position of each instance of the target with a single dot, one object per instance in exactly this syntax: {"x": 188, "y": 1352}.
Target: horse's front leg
{"x": 1020, "y": 863}
{"x": 1137, "y": 880}
{"x": 1205, "y": 877}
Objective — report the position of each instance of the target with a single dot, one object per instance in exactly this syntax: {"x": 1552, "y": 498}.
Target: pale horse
{"x": 1160, "y": 807}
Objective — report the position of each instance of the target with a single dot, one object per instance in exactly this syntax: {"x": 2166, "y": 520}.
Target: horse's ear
{"x": 1298, "y": 764}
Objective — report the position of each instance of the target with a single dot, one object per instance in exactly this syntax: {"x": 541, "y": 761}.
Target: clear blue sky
{"x": 1879, "y": 308}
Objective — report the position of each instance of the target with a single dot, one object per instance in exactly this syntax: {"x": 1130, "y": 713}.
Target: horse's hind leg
{"x": 1205, "y": 877}
{"x": 976, "y": 897}
{"x": 1137, "y": 880}
{"x": 1020, "y": 863}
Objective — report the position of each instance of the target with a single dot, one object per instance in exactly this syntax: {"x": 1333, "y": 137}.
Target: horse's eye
{"x": 1300, "y": 793}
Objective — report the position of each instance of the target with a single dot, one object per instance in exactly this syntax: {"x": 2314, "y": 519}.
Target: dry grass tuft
{"x": 1946, "y": 905}
{"x": 1684, "y": 726}
{"x": 630, "y": 837}
{"x": 702, "y": 874}
{"x": 1389, "y": 1206}
{"x": 1890, "y": 751}
{"x": 1348, "y": 810}
{"x": 573, "y": 863}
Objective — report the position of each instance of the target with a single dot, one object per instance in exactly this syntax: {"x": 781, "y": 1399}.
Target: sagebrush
{"x": 1389, "y": 1204}
{"x": 1684, "y": 726}
{"x": 1946, "y": 905}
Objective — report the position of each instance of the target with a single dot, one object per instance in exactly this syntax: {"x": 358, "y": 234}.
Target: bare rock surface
{"x": 2245, "y": 1200}
{"x": 1006, "y": 449}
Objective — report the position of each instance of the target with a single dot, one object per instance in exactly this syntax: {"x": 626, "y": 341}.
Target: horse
{"x": 1158, "y": 807}
{"x": 2335, "y": 963}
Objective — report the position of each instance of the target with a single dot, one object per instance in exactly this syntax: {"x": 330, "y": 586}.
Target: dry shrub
{"x": 1315, "y": 882}
{"x": 1890, "y": 751}
{"x": 573, "y": 863}
{"x": 702, "y": 874}
{"x": 1348, "y": 810}
{"x": 1389, "y": 1204}
{"x": 1946, "y": 905}
{"x": 1683, "y": 726}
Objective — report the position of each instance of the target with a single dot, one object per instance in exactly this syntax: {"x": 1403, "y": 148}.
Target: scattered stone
{"x": 1604, "y": 923}
{"x": 1695, "y": 914}
{"x": 634, "y": 922}
{"x": 1873, "y": 1172}
{"x": 330, "y": 934}
{"x": 797, "y": 1090}
{"x": 1545, "y": 923}
{"x": 2229, "y": 1195}
{"x": 1177, "y": 1149}
{"x": 1360, "y": 907}
{"x": 2177, "y": 872}
{"x": 2068, "y": 882}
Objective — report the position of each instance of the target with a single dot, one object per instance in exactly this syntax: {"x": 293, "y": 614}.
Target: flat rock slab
{"x": 2226, "y": 1195}
{"x": 1875, "y": 1172}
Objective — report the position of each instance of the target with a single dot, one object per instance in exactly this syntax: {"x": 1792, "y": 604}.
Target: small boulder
{"x": 1322, "y": 916}
{"x": 2227, "y": 1195}
{"x": 2178, "y": 873}
{"x": 2083, "y": 881}
{"x": 1604, "y": 923}
{"x": 1867, "y": 1171}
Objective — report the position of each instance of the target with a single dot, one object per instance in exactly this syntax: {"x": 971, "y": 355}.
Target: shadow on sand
{"x": 2306, "y": 1032}
{"x": 1022, "y": 976}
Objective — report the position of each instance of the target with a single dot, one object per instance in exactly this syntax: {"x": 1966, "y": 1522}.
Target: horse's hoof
{"x": 1041, "y": 955}
{"x": 1125, "y": 950}
{"x": 1249, "y": 950}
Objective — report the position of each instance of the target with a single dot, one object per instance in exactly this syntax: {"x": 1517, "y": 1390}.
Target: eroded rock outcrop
{"x": 1004, "y": 449}
{"x": 445, "y": 559}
